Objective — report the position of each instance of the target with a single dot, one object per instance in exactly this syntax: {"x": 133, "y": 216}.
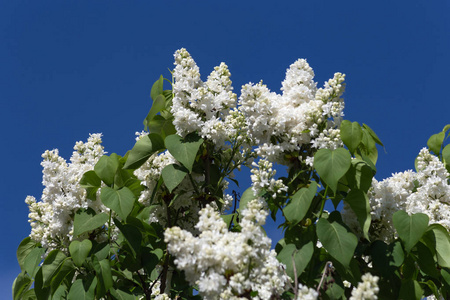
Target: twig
{"x": 328, "y": 266}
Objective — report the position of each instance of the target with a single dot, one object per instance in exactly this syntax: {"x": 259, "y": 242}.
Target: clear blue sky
{"x": 70, "y": 68}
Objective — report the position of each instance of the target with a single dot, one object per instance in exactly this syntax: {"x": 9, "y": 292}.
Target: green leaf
{"x": 87, "y": 220}
{"x": 246, "y": 197}
{"x": 426, "y": 261}
{"x": 24, "y": 249}
{"x": 351, "y": 135}
{"x": 299, "y": 205}
{"x": 66, "y": 271}
{"x": 228, "y": 219}
{"x": 33, "y": 260}
{"x": 332, "y": 165}
{"x": 158, "y": 104}
{"x": 41, "y": 291}
{"x": 30, "y": 295}
{"x": 103, "y": 272}
{"x": 368, "y": 147}
{"x": 360, "y": 175}
{"x": 173, "y": 175}
{"x": 410, "y": 228}
{"x": 162, "y": 126}
{"x": 101, "y": 251}
{"x": 157, "y": 88}
{"x": 120, "y": 201}
{"x": 143, "y": 149}
{"x": 149, "y": 260}
{"x": 438, "y": 239}
{"x": 359, "y": 203}
{"x": 435, "y": 142}
{"x": 79, "y": 251}
{"x": 339, "y": 242}
{"x": 386, "y": 258}
{"x": 83, "y": 289}
{"x": 21, "y": 284}
{"x": 91, "y": 182}
{"x": 122, "y": 295}
{"x": 300, "y": 256}
{"x": 446, "y": 155}
{"x": 372, "y": 134}
{"x": 106, "y": 168}
{"x": 132, "y": 235}
{"x": 51, "y": 265}
{"x": 184, "y": 149}
{"x": 410, "y": 289}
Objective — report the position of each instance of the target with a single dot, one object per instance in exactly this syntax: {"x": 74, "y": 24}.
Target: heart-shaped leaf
{"x": 79, "y": 251}
{"x": 121, "y": 201}
{"x": 301, "y": 258}
{"x": 173, "y": 175}
{"x": 184, "y": 149}
{"x": 332, "y": 165}
{"x": 435, "y": 142}
{"x": 410, "y": 228}
{"x": 106, "y": 168}
{"x": 339, "y": 242}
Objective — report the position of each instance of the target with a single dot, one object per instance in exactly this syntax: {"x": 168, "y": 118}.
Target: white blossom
{"x": 367, "y": 289}
{"x": 51, "y": 219}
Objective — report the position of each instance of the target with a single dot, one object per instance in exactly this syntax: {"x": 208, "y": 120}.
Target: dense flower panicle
{"x": 217, "y": 256}
{"x": 201, "y": 106}
{"x": 51, "y": 218}
{"x": 367, "y": 289}
{"x": 279, "y": 124}
{"x": 425, "y": 191}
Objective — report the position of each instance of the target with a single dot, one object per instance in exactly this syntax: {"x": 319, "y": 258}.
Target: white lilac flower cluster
{"x": 303, "y": 116}
{"x": 201, "y": 106}
{"x": 263, "y": 179}
{"x": 367, "y": 289}
{"x": 51, "y": 218}
{"x": 228, "y": 265}
{"x": 425, "y": 191}
{"x": 306, "y": 293}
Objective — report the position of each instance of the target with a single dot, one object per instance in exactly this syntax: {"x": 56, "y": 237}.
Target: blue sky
{"x": 70, "y": 68}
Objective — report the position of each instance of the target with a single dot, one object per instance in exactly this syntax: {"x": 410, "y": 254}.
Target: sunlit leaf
{"x": 184, "y": 149}
{"x": 296, "y": 210}
{"x": 79, "y": 251}
{"x": 120, "y": 201}
{"x": 434, "y": 143}
{"x": 351, "y": 134}
{"x": 87, "y": 220}
{"x": 143, "y": 149}
{"x": 332, "y": 165}
{"x": 106, "y": 168}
